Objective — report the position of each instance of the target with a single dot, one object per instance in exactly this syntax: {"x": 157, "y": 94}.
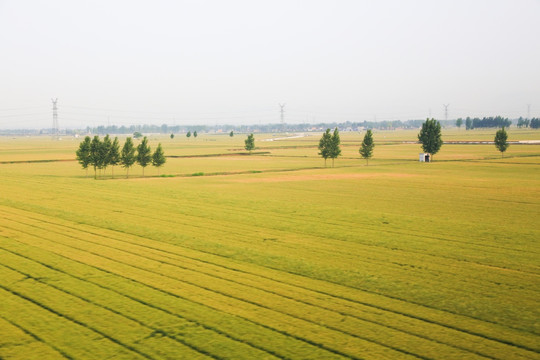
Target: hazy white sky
{"x": 216, "y": 62}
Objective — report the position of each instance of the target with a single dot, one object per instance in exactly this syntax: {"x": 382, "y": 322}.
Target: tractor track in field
{"x": 75, "y": 321}
{"x": 146, "y": 215}
{"x": 250, "y": 302}
{"x": 143, "y": 324}
{"x": 403, "y": 314}
{"x": 142, "y": 302}
{"x": 322, "y": 307}
{"x": 37, "y": 338}
{"x": 190, "y": 224}
{"x": 307, "y": 341}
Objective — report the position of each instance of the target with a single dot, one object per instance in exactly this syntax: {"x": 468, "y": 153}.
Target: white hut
{"x": 424, "y": 157}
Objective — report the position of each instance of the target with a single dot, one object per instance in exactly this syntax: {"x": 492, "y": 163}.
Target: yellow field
{"x": 272, "y": 255}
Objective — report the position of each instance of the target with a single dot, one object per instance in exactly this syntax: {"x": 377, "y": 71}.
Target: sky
{"x": 213, "y": 62}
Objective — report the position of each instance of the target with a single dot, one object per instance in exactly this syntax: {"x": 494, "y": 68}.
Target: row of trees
{"x": 100, "y": 154}
{"x": 329, "y": 146}
{"x": 533, "y": 123}
{"x": 486, "y": 122}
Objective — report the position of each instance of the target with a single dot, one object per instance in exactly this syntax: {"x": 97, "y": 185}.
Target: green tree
{"x": 366, "y": 149}
{"x": 430, "y": 137}
{"x": 83, "y": 153}
{"x": 137, "y": 135}
{"x": 459, "y": 122}
{"x": 144, "y": 156}
{"x": 188, "y": 135}
{"x": 325, "y": 145}
{"x": 468, "y": 123}
{"x": 195, "y": 134}
{"x": 249, "y": 143}
{"x": 172, "y": 136}
{"x": 158, "y": 157}
{"x": 106, "y": 144}
{"x": 114, "y": 155}
{"x": 97, "y": 155}
{"x": 128, "y": 158}
{"x": 231, "y": 134}
{"x": 501, "y": 142}
{"x": 335, "y": 149}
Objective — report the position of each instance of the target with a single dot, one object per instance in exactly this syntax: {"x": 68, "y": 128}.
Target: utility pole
{"x": 446, "y": 111}
{"x": 282, "y": 115}
{"x": 55, "y": 119}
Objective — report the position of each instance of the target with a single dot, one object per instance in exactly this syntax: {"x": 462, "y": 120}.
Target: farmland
{"x": 272, "y": 255}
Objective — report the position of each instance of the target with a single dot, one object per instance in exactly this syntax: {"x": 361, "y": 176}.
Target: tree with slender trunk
{"x": 83, "y": 153}
{"x": 325, "y": 145}
{"x": 127, "y": 158}
{"x": 249, "y": 143}
{"x": 107, "y": 145}
{"x": 188, "y": 135}
{"x": 459, "y": 122}
{"x": 114, "y": 155}
{"x": 158, "y": 158}
{"x": 96, "y": 154}
{"x": 195, "y": 134}
{"x": 501, "y": 142}
{"x": 335, "y": 149}
{"x": 144, "y": 154}
{"x": 366, "y": 149}
{"x": 430, "y": 137}
{"x": 231, "y": 134}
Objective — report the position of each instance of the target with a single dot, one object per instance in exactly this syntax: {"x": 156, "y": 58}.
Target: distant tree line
{"x": 266, "y": 128}
{"x": 100, "y": 154}
{"x": 533, "y": 123}
{"x": 148, "y": 129}
{"x": 486, "y": 122}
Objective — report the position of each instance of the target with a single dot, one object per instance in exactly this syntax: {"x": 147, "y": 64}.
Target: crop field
{"x": 272, "y": 255}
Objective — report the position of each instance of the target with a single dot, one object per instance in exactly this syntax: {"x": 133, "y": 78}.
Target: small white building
{"x": 425, "y": 157}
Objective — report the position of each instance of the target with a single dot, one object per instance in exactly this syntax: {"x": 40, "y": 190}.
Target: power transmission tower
{"x": 55, "y": 119}
{"x": 446, "y": 111}
{"x": 282, "y": 115}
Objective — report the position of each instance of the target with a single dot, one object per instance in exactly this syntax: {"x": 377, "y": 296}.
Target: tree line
{"x": 100, "y": 154}
{"x": 533, "y": 123}
{"x": 429, "y": 138}
{"x": 329, "y": 146}
{"x": 486, "y": 122}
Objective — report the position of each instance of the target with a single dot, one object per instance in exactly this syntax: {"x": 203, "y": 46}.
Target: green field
{"x": 272, "y": 255}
